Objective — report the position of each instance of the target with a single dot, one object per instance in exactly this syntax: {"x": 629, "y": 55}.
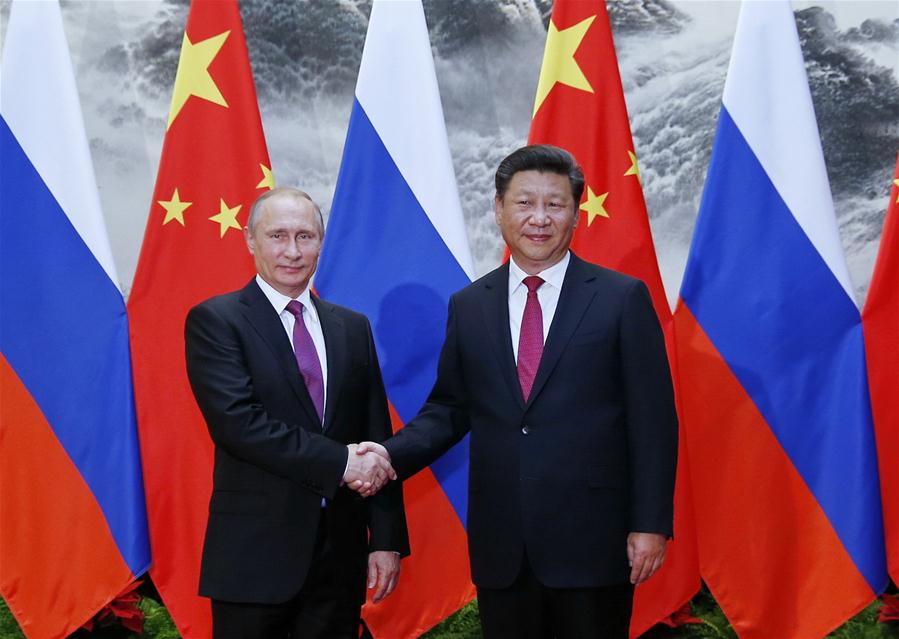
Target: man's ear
{"x": 249, "y": 239}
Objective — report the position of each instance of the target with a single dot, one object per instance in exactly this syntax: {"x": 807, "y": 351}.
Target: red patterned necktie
{"x": 530, "y": 340}
{"x": 307, "y": 358}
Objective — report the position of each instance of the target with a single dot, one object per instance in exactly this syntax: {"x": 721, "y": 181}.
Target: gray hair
{"x": 285, "y": 191}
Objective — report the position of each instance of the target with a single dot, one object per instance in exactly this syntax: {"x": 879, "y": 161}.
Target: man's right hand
{"x": 368, "y": 470}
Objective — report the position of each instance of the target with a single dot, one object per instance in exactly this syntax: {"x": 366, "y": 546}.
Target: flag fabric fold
{"x": 74, "y": 531}
{"x": 880, "y": 318}
{"x": 580, "y": 106}
{"x": 214, "y": 164}
{"x": 395, "y": 249}
{"x": 772, "y": 365}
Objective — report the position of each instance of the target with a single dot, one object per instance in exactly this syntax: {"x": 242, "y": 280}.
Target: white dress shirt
{"x": 547, "y": 295}
{"x": 310, "y": 318}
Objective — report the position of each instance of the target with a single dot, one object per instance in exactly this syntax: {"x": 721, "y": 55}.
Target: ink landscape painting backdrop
{"x": 673, "y": 58}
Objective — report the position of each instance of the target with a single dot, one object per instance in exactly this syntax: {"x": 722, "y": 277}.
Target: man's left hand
{"x": 383, "y": 573}
{"x": 646, "y": 553}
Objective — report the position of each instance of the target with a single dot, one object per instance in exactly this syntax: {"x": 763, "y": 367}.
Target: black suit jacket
{"x": 274, "y": 461}
{"x": 587, "y": 459}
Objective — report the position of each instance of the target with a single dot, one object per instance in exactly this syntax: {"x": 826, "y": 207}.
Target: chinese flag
{"x": 880, "y": 319}
{"x": 580, "y": 107}
{"x": 214, "y": 164}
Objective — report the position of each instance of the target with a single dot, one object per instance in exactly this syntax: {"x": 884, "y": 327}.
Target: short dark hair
{"x": 256, "y": 208}
{"x": 544, "y": 158}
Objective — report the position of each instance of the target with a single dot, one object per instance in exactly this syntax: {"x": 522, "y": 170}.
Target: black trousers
{"x": 327, "y": 607}
{"x": 529, "y": 610}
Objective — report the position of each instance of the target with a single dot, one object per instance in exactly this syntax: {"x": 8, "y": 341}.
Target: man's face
{"x": 286, "y": 243}
{"x": 537, "y": 216}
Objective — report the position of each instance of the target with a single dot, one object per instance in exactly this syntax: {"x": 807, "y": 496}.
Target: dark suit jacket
{"x": 589, "y": 458}
{"x": 273, "y": 459}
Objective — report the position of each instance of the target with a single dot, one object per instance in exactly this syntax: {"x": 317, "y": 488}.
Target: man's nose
{"x": 539, "y": 217}
{"x": 293, "y": 250}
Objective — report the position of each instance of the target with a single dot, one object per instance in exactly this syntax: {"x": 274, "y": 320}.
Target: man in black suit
{"x": 286, "y": 382}
{"x": 557, "y": 368}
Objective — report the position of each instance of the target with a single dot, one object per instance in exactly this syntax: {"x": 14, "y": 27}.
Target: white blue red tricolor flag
{"x": 396, "y": 249}
{"x": 74, "y": 531}
{"x": 772, "y": 363}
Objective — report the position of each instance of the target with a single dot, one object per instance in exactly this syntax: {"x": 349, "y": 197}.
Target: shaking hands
{"x": 368, "y": 468}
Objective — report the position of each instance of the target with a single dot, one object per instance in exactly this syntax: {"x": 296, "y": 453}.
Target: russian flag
{"x": 396, "y": 249}
{"x": 772, "y": 363}
{"x": 74, "y": 531}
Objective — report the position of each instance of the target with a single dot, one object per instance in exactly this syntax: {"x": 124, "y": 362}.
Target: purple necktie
{"x": 307, "y": 358}
{"x": 530, "y": 340}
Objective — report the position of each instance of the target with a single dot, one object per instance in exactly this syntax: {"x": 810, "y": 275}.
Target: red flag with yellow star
{"x": 214, "y": 164}
{"x": 880, "y": 319}
{"x": 580, "y": 107}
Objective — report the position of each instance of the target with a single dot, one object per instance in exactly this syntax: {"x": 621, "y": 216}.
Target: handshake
{"x": 368, "y": 468}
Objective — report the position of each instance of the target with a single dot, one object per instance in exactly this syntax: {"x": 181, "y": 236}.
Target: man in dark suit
{"x": 557, "y": 368}
{"x": 286, "y": 382}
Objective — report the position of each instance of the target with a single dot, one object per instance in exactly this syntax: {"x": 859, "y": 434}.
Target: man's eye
{"x": 275, "y": 236}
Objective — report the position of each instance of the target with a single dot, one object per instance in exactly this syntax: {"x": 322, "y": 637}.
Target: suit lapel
{"x": 495, "y": 304}
{"x": 263, "y": 318}
{"x": 575, "y": 297}
{"x": 336, "y": 347}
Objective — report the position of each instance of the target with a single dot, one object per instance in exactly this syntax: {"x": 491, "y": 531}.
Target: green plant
{"x": 864, "y": 625}
{"x": 462, "y": 625}
{"x": 157, "y": 621}
{"x": 9, "y": 629}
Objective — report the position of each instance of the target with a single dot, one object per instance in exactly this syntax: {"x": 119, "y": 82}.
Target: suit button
{"x": 525, "y": 430}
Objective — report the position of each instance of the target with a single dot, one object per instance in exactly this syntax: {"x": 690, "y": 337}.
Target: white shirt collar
{"x": 554, "y": 275}
{"x": 280, "y": 301}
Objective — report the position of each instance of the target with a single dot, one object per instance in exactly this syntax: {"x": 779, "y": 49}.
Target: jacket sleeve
{"x": 386, "y": 512}
{"x": 443, "y": 420}
{"x": 238, "y": 423}
{"x": 650, "y": 413}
